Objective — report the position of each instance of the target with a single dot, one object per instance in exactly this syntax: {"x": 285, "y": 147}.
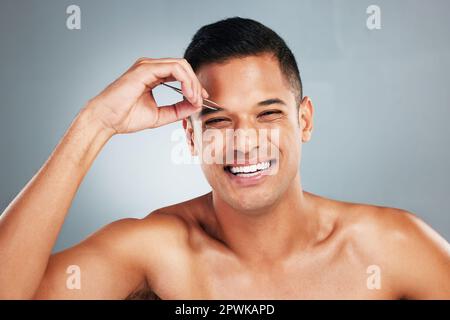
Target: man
{"x": 256, "y": 235}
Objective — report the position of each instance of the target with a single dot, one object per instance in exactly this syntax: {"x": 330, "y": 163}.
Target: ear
{"x": 305, "y": 117}
{"x": 189, "y": 130}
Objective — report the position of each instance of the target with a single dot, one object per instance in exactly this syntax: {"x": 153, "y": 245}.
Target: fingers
{"x": 177, "y": 111}
{"x": 200, "y": 90}
{"x": 205, "y": 93}
{"x": 151, "y": 74}
{"x": 196, "y": 85}
{"x": 154, "y": 71}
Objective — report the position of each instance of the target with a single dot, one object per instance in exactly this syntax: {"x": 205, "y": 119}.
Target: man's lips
{"x": 249, "y": 168}
{"x": 249, "y": 175}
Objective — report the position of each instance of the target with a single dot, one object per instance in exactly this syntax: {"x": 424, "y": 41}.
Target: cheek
{"x": 214, "y": 175}
{"x": 210, "y": 146}
{"x": 289, "y": 143}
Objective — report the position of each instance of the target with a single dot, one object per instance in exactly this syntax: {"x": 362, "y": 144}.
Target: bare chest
{"x": 211, "y": 276}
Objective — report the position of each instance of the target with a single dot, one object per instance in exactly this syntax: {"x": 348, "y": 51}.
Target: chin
{"x": 251, "y": 192}
{"x": 251, "y": 201}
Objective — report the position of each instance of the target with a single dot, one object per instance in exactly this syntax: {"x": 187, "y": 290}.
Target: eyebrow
{"x": 267, "y": 102}
{"x": 271, "y": 101}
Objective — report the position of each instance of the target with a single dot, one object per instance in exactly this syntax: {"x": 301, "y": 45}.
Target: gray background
{"x": 382, "y": 100}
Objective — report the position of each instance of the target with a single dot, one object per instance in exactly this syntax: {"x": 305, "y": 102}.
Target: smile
{"x": 249, "y": 170}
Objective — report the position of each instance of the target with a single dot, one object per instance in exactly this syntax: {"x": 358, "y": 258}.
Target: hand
{"x": 127, "y": 105}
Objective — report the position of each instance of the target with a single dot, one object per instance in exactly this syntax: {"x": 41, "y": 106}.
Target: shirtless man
{"x": 251, "y": 237}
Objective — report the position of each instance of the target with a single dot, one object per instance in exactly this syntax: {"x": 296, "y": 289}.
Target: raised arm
{"x": 29, "y": 226}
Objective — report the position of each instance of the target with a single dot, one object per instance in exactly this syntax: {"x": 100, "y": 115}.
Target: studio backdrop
{"x": 377, "y": 72}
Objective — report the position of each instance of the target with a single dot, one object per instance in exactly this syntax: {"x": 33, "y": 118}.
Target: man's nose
{"x": 245, "y": 137}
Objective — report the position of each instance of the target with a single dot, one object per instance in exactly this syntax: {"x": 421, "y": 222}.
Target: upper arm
{"x": 104, "y": 266}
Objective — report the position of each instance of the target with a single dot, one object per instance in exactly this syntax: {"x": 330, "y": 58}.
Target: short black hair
{"x": 240, "y": 37}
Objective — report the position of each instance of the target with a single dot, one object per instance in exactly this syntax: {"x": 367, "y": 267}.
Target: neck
{"x": 269, "y": 233}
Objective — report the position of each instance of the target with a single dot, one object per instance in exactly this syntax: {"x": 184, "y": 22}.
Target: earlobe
{"x": 306, "y": 136}
{"x": 189, "y": 131}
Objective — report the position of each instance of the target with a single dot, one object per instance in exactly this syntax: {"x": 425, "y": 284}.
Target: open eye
{"x": 270, "y": 114}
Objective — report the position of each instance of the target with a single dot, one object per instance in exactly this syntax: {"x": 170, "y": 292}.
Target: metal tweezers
{"x": 216, "y": 106}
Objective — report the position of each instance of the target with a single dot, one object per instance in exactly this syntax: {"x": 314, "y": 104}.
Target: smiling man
{"x": 256, "y": 235}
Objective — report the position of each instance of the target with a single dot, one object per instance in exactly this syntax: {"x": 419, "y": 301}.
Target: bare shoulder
{"x": 175, "y": 219}
{"x": 137, "y": 240}
{"x": 171, "y": 222}
{"x": 413, "y": 256}
{"x": 165, "y": 228}
{"x": 392, "y": 228}
{"x": 182, "y": 217}
{"x": 128, "y": 232}
{"x": 120, "y": 257}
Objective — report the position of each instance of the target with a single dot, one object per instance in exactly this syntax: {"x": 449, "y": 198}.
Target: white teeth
{"x": 247, "y": 174}
{"x": 251, "y": 168}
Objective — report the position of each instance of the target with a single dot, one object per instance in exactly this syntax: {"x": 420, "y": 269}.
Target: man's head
{"x": 252, "y": 74}
{"x": 238, "y": 38}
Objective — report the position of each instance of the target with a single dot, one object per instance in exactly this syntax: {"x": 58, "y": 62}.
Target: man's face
{"x": 259, "y": 124}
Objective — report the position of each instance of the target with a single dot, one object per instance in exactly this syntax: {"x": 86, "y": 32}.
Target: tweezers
{"x": 204, "y": 105}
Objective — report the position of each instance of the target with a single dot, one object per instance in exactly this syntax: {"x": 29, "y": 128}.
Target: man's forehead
{"x": 239, "y": 69}
{"x": 240, "y": 78}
